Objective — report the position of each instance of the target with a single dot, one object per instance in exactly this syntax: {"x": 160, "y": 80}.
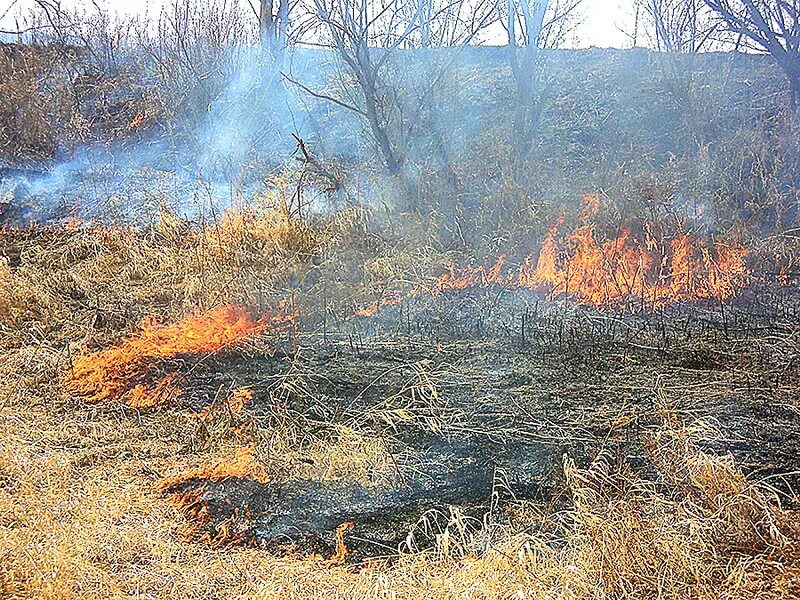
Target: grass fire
{"x": 627, "y": 268}
{"x": 335, "y": 299}
{"x": 120, "y": 372}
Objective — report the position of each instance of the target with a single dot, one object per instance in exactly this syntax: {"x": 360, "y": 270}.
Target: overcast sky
{"x": 601, "y": 25}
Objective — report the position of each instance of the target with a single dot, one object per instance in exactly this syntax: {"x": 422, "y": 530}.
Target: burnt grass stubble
{"x": 519, "y": 383}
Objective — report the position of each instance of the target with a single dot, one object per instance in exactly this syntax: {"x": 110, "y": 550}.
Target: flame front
{"x": 630, "y": 268}
{"x": 125, "y": 371}
{"x": 634, "y": 266}
{"x": 214, "y": 525}
{"x": 242, "y": 465}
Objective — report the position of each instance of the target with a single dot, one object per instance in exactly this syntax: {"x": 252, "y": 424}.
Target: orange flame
{"x": 143, "y": 395}
{"x": 624, "y": 268}
{"x": 206, "y": 527}
{"x": 243, "y": 464}
{"x": 471, "y": 277}
{"x": 137, "y": 120}
{"x": 783, "y": 276}
{"x": 186, "y": 492}
{"x": 341, "y": 552}
{"x": 121, "y": 372}
{"x": 454, "y": 279}
{"x": 231, "y": 525}
{"x": 240, "y": 398}
{"x": 588, "y": 268}
{"x": 388, "y": 298}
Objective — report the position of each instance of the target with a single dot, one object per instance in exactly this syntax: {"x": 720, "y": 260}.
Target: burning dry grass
{"x": 76, "y": 525}
{"x": 115, "y": 276}
{"x": 118, "y": 373}
{"x": 87, "y": 284}
{"x": 263, "y": 455}
{"x": 638, "y": 265}
{"x": 342, "y": 455}
{"x": 623, "y": 268}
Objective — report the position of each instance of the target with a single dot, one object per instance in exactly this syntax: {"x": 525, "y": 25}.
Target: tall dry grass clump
{"x": 86, "y": 279}
{"x": 740, "y": 516}
{"x": 35, "y": 103}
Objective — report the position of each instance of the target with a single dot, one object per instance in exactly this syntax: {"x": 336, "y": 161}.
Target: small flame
{"x": 205, "y": 526}
{"x": 144, "y": 395}
{"x": 388, "y": 298}
{"x": 187, "y": 493}
{"x": 783, "y": 276}
{"x": 341, "y": 548}
{"x": 243, "y": 464}
{"x": 471, "y": 277}
{"x": 73, "y": 224}
{"x": 137, "y": 120}
{"x": 122, "y": 372}
{"x": 240, "y": 398}
{"x": 787, "y": 276}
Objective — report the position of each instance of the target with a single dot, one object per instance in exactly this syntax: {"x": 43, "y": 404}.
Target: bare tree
{"x": 46, "y": 19}
{"x": 679, "y": 26}
{"x": 266, "y": 21}
{"x": 771, "y": 26}
{"x": 679, "y": 30}
{"x": 366, "y": 36}
{"x": 533, "y": 26}
{"x": 362, "y": 35}
{"x": 195, "y": 50}
{"x": 272, "y": 27}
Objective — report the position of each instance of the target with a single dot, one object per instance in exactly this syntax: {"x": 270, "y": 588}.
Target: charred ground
{"x": 476, "y": 416}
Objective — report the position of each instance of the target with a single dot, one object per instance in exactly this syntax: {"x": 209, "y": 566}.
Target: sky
{"x": 602, "y": 25}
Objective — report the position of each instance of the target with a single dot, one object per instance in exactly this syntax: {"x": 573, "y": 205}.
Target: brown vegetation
{"x": 425, "y": 281}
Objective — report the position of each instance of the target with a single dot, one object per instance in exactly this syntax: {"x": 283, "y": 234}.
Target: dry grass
{"x": 81, "y": 515}
{"x": 85, "y": 284}
{"x": 54, "y": 97}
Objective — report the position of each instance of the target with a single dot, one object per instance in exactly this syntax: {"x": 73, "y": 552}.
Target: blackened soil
{"x": 304, "y": 515}
{"x": 495, "y": 400}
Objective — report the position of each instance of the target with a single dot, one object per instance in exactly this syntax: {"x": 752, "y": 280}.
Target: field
{"x": 340, "y": 299}
{"x": 436, "y": 427}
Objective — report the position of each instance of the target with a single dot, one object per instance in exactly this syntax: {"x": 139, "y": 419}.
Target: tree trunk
{"x": 266, "y": 24}
{"x": 283, "y": 22}
{"x": 528, "y": 101}
{"x": 282, "y": 25}
{"x": 794, "y": 91}
{"x": 390, "y": 159}
{"x": 526, "y": 68}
